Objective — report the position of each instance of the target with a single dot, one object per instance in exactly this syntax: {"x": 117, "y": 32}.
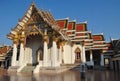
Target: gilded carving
{"x": 15, "y": 39}
{"x": 72, "y": 44}
{"x": 22, "y": 38}
{"x": 46, "y": 38}
{"x": 63, "y": 43}
{"x": 55, "y": 39}
{"x": 77, "y": 50}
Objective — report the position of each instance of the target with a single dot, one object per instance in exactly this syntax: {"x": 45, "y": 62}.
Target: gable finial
{"x": 33, "y": 2}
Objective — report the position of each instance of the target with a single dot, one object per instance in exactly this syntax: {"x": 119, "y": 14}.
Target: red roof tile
{"x": 97, "y": 38}
{"x": 62, "y": 23}
{"x": 71, "y": 25}
{"x": 4, "y": 49}
{"x": 81, "y": 27}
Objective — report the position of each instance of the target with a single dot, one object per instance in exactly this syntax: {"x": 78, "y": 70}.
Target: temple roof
{"x": 62, "y": 23}
{"x": 35, "y": 16}
{"x": 69, "y": 30}
{"x": 99, "y": 41}
{"x": 4, "y": 49}
{"x": 98, "y": 37}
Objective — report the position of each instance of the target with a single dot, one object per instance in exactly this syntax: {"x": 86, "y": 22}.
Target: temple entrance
{"x": 96, "y": 57}
{"x": 39, "y": 54}
{"x": 77, "y": 55}
{"x": 34, "y": 45}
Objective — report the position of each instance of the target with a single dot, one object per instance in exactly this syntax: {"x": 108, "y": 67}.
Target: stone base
{"x": 13, "y": 68}
{"x": 62, "y": 68}
{"x": 52, "y": 69}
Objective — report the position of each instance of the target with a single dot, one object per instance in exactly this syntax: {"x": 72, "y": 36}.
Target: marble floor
{"x": 73, "y": 75}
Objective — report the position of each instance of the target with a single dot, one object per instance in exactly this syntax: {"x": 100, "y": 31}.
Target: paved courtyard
{"x": 91, "y": 75}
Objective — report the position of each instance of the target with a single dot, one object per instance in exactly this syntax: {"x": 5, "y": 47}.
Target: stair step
{"x": 28, "y": 69}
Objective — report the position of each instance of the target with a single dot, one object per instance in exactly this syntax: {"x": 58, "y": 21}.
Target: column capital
{"x": 55, "y": 39}
{"x": 63, "y": 43}
{"x": 46, "y": 38}
{"x": 15, "y": 39}
{"x": 72, "y": 44}
{"x": 22, "y": 37}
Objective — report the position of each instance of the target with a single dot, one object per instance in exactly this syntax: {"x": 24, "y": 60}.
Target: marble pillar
{"x": 91, "y": 58}
{"x": 14, "y": 55}
{"x": 102, "y": 60}
{"x": 54, "y": 54}
{"x": 45, "y": 55}
{"x": 21, "y": 57}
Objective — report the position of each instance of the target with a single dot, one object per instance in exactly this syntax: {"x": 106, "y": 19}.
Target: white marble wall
{"x": 69, "y": 53}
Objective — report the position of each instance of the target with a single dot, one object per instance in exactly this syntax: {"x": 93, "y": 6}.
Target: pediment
{"x": 34, "y": 30}
{"x": 40, "y": 18}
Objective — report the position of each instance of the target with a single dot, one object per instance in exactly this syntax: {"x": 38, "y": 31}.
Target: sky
{"x": 103, "y": 16}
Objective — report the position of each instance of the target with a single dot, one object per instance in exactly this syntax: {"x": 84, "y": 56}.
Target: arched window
{"x": 77, "y": 54}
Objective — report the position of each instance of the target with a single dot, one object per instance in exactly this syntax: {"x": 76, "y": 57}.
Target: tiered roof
{"x": 69, "y": 30}
{"x": 3, "y": 52}
{"x": 78, "y": 32}
{"x": 34, "y": 16}
{"x": 99, "y": 42}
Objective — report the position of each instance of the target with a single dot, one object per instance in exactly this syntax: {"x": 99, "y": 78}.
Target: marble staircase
{"x": 27, "y": 69}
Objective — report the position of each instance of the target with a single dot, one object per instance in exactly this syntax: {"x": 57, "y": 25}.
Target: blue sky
{"x": 103, "y": 16}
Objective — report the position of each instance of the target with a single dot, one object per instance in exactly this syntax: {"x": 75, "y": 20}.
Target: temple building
{"x": 112, "y": 55}
{"x": 5, "y": 56}
{"x": 40, "y": 41}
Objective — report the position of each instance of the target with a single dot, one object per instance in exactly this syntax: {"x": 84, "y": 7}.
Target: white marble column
{"x": 22, "y": 41}
{"x": 83, "y": 54}
{"x": 45, "y": 56}
{"x": 54, "y": 56}
{"x": 91, "y": 57}
{"x": 72, "y": 53}
{"x": 21, "y": 57}
{"x": 14, "y": 55}
{"x": 102, "y": 60}
{"x": 60, "y": 55}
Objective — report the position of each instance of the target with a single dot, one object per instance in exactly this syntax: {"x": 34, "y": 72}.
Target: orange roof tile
{"x": 62, "y": 23}
{"x": 81, "y": 27}
{"x": 97, "y": 38}
{"x": 4, "y": 49}
{"x": 71, "y": 25}
{"x": 80, "y": 34}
